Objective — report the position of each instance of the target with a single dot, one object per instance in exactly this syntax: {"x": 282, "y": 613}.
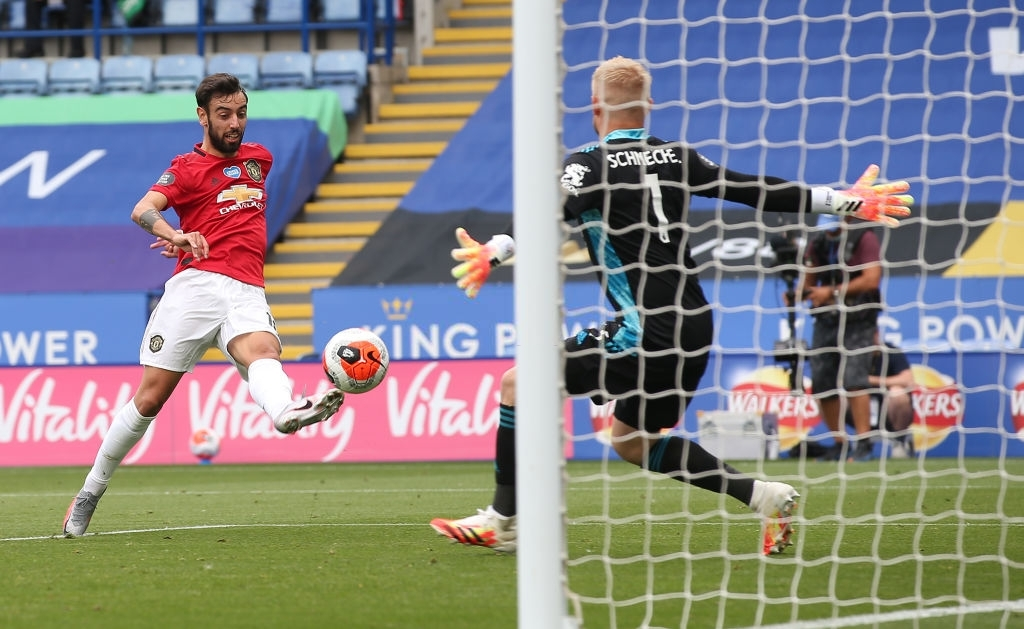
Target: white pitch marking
{"x": 872, "y": 620}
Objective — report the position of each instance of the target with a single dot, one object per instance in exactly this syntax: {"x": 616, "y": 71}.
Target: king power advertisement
{"x": 65, "y": 376}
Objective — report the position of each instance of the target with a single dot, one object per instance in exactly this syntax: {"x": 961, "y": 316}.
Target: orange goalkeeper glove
{"x": 477, "y": 259}
{"x": 867, "y": 200}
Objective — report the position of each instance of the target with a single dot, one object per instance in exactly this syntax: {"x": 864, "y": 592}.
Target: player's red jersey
{"x": 225, "y": 200}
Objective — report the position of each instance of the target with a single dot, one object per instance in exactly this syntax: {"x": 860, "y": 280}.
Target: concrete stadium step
{"x": 458, "y": 71}
{"x": 377, "y": 170}
{"x": 287, "y": 290}
{"x": 339, "y": 246}
{"x": 442, "y": 91}
{"x": 459, "y": 109}
{"x": 394, "y": 150}
{"x": 412, "y": 131}
{"x": 483, "y": 34}
{"x": 313, "y": 256}
{"x": 467, "y": 54}
{"x": 475, "y": 17}
{"x": 284, "y": 299}
{"x": 312, "y": 270}
{"x": 347, "y": 229}
{"x": 295, "y": 329}
{"x": 367, "y": 189}
{"x": 290, "y": 351}
{"x": 326, "y": 216}
{"x": 497, "y": 9}
{"x": 291, "y": 311}
{"x": 355, "y": 207}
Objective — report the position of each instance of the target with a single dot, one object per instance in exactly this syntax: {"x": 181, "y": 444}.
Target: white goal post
{"x": 924, "y": 534}
{"x": 536, "y": 74}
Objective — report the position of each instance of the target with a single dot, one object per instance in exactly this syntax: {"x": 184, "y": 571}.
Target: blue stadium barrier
{"x": 367, "y": 25}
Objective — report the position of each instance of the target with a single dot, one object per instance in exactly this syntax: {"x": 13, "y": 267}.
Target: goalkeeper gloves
{"x": 477, "y": 259}
{"x": 866, "y": 199}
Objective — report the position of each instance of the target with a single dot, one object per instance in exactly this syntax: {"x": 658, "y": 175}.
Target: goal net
{"x": 925, "y": 533}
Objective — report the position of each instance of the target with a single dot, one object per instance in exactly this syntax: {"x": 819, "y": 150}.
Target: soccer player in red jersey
{"x": 215, "y": 296}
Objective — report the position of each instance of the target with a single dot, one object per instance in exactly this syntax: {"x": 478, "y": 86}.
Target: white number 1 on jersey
{"x": 651, "y": 181}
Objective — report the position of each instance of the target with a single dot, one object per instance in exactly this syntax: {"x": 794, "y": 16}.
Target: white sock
{"x": 126, "y": 430}
{"x": 269, "y": 386}
{"x": 757, "y": 495}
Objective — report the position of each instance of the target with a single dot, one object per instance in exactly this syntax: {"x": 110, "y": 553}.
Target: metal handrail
{"x": 367, "y": 28}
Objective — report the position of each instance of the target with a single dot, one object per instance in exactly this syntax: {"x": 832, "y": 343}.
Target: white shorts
{"x": 200, "y": 310}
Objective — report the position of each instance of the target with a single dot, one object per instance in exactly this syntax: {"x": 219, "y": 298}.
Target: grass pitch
{"x": 911, "y": 544}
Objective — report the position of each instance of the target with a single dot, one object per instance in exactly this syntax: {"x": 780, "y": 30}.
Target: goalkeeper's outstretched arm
{"x": 883, "y": 203}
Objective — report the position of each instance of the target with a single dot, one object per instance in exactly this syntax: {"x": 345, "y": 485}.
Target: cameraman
{"x": 841, "y": 281}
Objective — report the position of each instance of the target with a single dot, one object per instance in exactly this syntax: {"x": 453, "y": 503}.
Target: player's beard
{"x": 225, "y": 146}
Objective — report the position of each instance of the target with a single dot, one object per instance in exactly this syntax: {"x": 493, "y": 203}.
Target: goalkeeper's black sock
{"x": 505, "y": 462}
{"x": 687, "y": 461}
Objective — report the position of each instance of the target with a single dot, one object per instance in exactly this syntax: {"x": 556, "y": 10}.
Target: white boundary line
{"x": 198, "y": 527}
{"x": 864, "y": 620}
{"x": 578, "y": 487}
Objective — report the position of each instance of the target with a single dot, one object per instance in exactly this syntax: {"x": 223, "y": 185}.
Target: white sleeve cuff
{"x": 502, "y": 247}
{"x": 824, "y": 200}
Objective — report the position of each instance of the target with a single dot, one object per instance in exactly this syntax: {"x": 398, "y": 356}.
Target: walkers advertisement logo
{"x": 1017, "y": 408}
{"x": 766, "y": 390}
{"x": 938, "y": 407}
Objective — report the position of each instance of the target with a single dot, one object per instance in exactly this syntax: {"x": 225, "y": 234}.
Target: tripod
{"x": 791, "y": 350}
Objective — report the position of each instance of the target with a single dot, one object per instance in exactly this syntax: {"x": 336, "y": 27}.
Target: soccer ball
{"x": 204, "y": 443}
{"x": 355, "y": 360}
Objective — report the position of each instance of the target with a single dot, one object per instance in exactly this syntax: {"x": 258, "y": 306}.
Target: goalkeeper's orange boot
{"x": 487, "y": 528}
{"x": 776, "y": 503}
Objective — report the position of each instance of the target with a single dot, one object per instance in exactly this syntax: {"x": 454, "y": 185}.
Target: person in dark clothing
{"x": 843, "y": 272}
{"x": 629, "y": 197}
{"x": 75, "y": 16}
{"x": 892, "y": 391}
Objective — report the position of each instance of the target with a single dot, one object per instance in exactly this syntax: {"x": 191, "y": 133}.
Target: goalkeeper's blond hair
{"x": 622, "y": 86}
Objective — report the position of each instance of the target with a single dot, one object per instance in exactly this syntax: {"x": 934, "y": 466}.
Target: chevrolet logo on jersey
{"x": 239, "y": 194}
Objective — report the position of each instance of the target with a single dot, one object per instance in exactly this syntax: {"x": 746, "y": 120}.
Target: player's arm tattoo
{"x": 149, "y": 218}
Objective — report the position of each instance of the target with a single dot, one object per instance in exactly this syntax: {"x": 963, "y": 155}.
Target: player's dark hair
{"x": 221, "y": 84}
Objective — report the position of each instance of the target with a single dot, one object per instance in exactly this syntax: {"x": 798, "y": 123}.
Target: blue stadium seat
{"x": 126, "y": 74}
{"x": 172, "y": 73}
{"x": 241, "y": 64}
{"x": 284, "y": 11}
{"x": 344, "y": 72}
{"x": 340, "y": 10}
{"x": 22, "y": 77}
{"x": 74, "y": 76}
{"x": 234, "y": 11}
{"x": 286, "y": 70}
{"x": 179, "y": 12}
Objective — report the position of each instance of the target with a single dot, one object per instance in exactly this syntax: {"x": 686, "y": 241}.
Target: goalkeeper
{"x": 630, "y": 195}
